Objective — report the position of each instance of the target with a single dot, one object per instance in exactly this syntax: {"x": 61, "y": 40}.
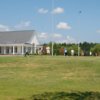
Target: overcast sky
{"x": 67, "y": 21}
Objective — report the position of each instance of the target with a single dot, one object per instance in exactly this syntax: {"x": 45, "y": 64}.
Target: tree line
{"x": 84, "y": 49}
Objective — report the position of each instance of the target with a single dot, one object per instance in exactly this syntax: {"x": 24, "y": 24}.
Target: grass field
{"x": 22, "y": 77}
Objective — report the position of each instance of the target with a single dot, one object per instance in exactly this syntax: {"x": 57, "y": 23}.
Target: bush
{"x": 67, "y": 96}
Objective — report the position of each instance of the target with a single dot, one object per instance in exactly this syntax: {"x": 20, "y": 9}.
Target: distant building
{"x": 18, "y": 42}
{"x": 48, "y": 50}
{"x": 72, "y": 52}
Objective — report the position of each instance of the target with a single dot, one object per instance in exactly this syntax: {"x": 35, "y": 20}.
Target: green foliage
{"x": 66, "y": 96}
{"x": 72, "y": 47}
{"x": 96, "y": 50}
{"x": 85, "y": 48}
{"x": 59, "y": 48}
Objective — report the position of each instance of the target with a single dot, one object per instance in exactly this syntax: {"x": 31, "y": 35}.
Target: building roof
{"x": 16, "y": 37}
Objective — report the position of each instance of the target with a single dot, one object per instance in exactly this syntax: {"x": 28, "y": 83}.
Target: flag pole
{"x": 52, "y": 25}
{"x": 78, "y": 41}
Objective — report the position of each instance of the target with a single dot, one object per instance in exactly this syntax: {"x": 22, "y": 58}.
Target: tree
{"x": 86, "y": 47}
{"x": 96, "y": 50}
{"x": 44, "y": 52}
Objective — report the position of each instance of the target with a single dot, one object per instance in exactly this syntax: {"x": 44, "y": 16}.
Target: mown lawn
{"x": 22, "y": 77}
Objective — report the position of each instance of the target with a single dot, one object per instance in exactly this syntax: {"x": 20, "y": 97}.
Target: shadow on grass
{"x": 66, "y": 96}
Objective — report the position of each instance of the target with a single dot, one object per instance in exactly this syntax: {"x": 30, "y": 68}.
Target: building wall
{"x": 18, "y": 50}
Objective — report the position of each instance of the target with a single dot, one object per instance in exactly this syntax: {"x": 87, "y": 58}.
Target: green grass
{"x": 22, "y": 77}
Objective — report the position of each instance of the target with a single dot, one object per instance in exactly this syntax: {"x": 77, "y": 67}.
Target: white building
{"x": 48, "y": 50}
{"x": 72, "y": 52}
{"x": 18, "y": 42}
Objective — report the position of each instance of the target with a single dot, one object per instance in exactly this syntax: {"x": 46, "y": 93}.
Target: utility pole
{"x": 52, "y": 48}
{"x": 78, "y": 49}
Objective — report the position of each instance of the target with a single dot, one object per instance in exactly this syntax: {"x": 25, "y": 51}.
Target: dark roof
{"x": 10, "y": 37}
